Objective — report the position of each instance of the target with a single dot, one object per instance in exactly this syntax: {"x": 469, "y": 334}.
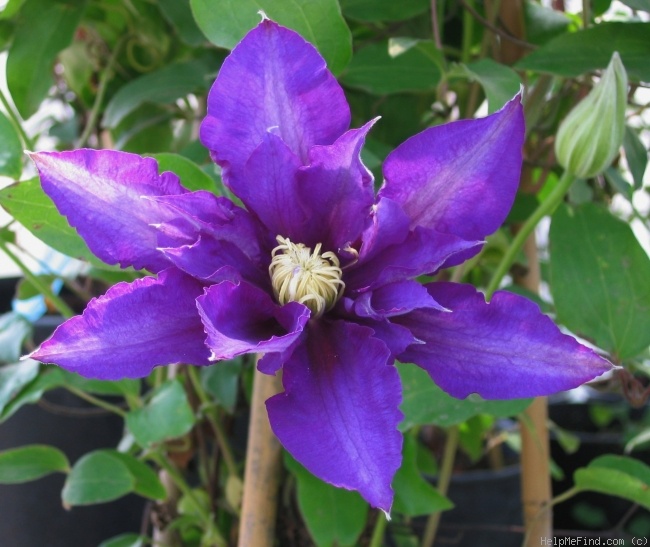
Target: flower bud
{"x": 590, "y": 136}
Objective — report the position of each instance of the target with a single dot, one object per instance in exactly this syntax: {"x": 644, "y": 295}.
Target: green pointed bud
{"x": 590, "y": 136}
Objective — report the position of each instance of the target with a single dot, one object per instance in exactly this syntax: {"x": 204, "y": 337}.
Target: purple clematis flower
{"x": 317, "y": 273}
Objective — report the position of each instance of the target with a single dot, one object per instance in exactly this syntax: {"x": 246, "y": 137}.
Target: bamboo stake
{"x": 262, "y": 473}
{"x": 535, "y": 473}
{"x": 535, "y": 462}
{"x": 536, "y": 491}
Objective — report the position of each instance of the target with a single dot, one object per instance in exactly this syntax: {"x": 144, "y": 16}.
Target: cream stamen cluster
{"x": 310, "y": 278}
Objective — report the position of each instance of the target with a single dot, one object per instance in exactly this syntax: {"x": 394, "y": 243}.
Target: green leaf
{"x": 44, "y": 27}
{"x": 631, "y": 466}
{"x": 13, "y": 378}
{"x": 125, "y": 387}
{"x": 383, "y": 10}
{"x": 226, "y": 22}
{"x": 567, "y": 440}
{"x": 14, "y": 328}
{"x": 575, "y": 53}
{"x": 32, "y": 391}
{"x": 167, "y": 415}
{"x": 643, "y": 5}
{"x": 221, "y": 380}
{"x": 401, "y": 65}
{"x": 334, "y": 516}
{"x": 191, "y": 175}
{"x": 125, "y": 540}
{"x": 196, "y": 504}
{"x": 29, "y": 463}
{"x": 425, "y": 403}
{"x": 636, "y": 155}
{"x": 147, "y": 483}
{"x": 29, "y": 205}
{"x": 146, "y": 133}
{"x": 402, "y": 115}
{"x": 618, "y": 182}
{"x": 638, "y": 440}
{"x": 26, "y": 289}
{"x": 6, "y": 33}
{"x": 7, "y": 235}
{"x": 179, "y": 14}
{"x": 414, "y": 496}
{"x": 11, "y": 149}
{"x": 11, "y": 8}
{"x": 599, "y": 275}
{"x": 472, "y": 433}
{"x": 104, "y": 475}
{"x": 163, "y": 86}
{"x": 499, "y": 82}
{"x": 617, "y": 476}
{"x": 580, "y": 192}
{"x": 97, "y": 477}
{"x": 78, "y": 70}
{"x": 542, "y": 23}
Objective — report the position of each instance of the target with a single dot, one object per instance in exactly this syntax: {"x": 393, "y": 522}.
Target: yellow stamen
{"x": 310, "y": 278}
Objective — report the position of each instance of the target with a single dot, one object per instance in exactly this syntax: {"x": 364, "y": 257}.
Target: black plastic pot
{"x": 487, "y": 509}
{"x": 31, "y": 514}
{"x": 7, "y": 291}
{"x": 591, "y": 511}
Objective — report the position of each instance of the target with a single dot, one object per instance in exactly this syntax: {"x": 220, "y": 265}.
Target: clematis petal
{"x": 337, "y": 190}
{"x": 214, "y": 260}
{"x": 389, "y": 226}
{"x": 506, "y": 349}
{"x": 422, "y": 252}
{"x": 210, "y": 238}
{"x": 131, "y": 329}
{"x": 272, "y": 80}
{"x": 240, "y": 318}
{"x": 394, "y": 299}
{"x": 339, "y": 413}
{"x": 326, "y": 202}
{"x": 270, "y": 363}
{"x": 101, "y": 193}
{"x": 270, "y": 190}
{"x": 396, "y": 337}
{"x": 196, "y": 213}
{"x": 459, "y": 178}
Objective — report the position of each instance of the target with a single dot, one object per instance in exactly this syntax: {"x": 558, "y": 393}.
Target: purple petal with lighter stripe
{"x": 422, "y": 252}
{"x": 102, "y": 193}
{"x": 339, "y": 413}
{"x": 270, "y": 176}
{"x": 459, "y": 178}
{"x": 131, "y": 329}
{"x": 337, "y": 190}
{"x": 272, "y": 81}
{"x": 506, "y": 349}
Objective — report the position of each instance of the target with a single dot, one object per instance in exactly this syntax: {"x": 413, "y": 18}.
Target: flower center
{"x": 310, "y": 278}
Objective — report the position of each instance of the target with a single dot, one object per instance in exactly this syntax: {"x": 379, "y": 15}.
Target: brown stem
{"x": 444, "y": 479}
{"x": 435, "y": 28}
{"x": 262, "y": 473}
{"x": 165, "y": 512}
{"x": 504, "y": 34}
